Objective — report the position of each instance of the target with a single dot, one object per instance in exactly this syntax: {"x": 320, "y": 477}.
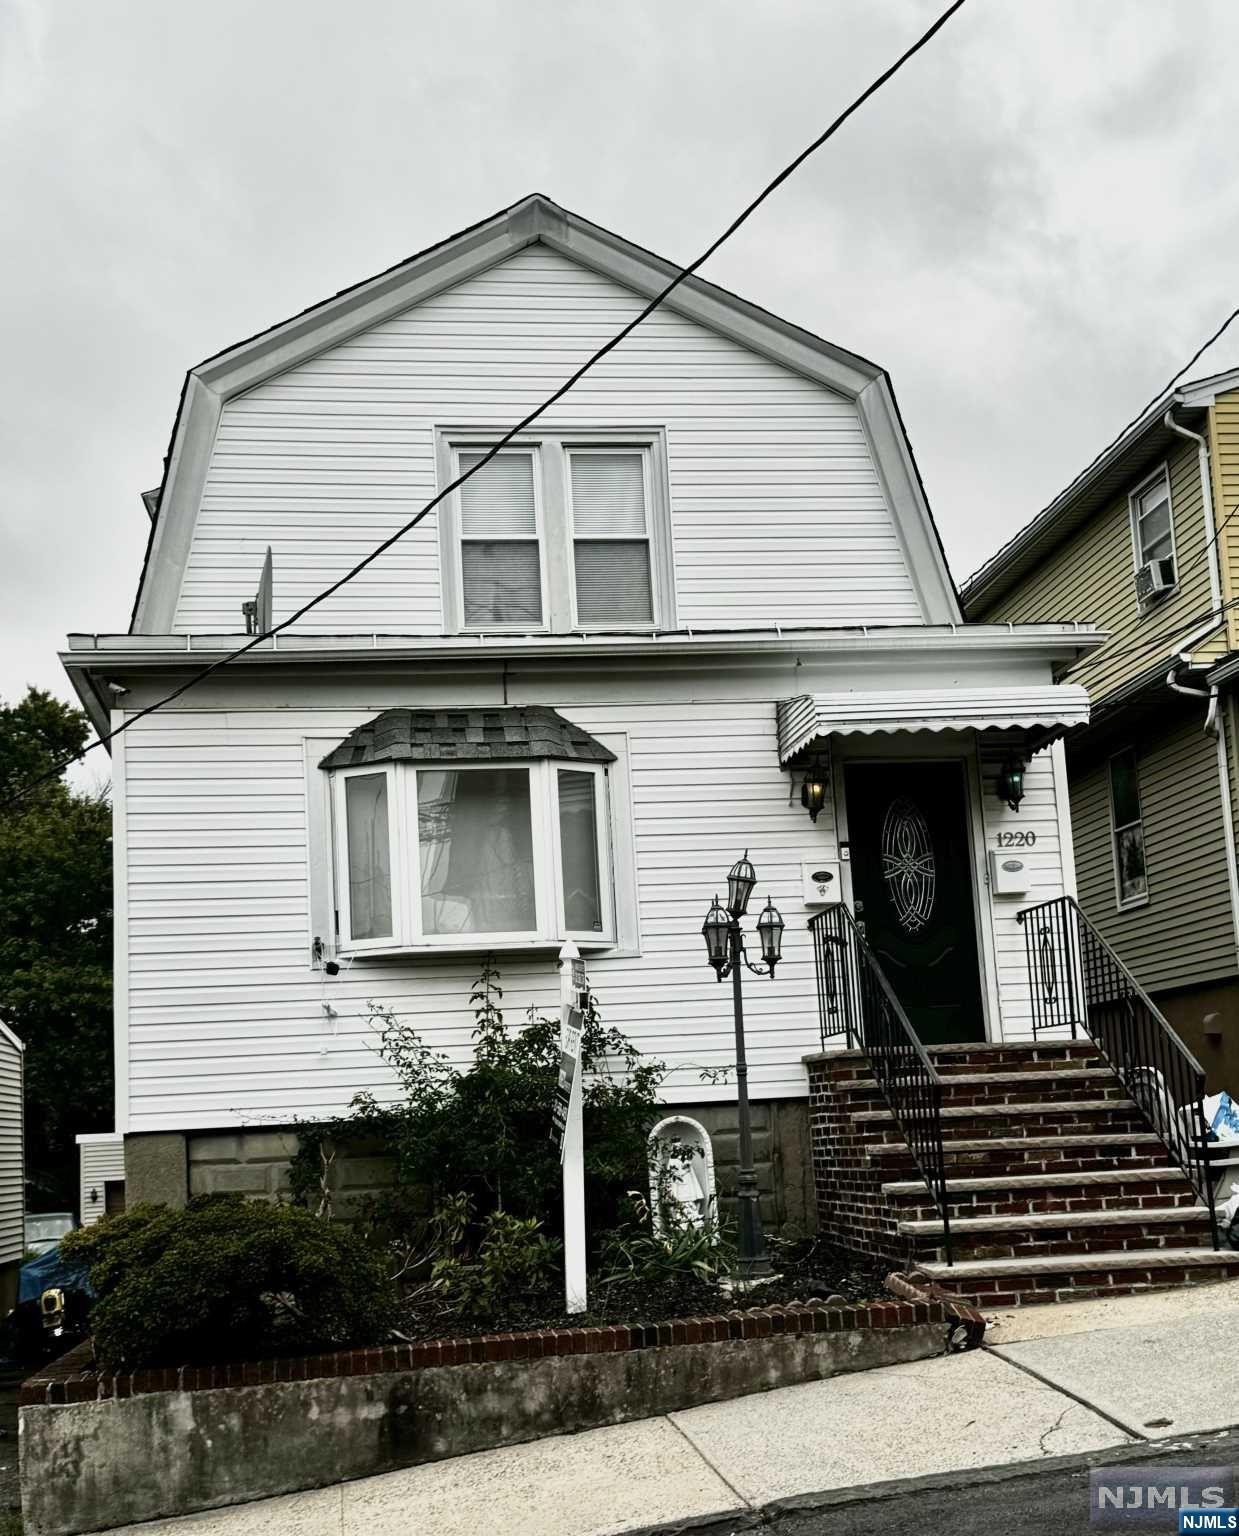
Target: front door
{"x": 912, "y": 887}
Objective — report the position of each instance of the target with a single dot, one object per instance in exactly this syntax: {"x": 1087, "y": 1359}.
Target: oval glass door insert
{"x": 908, "y": 865}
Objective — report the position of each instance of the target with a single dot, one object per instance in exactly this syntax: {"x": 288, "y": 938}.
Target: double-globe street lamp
{"x": 725, "y": 948}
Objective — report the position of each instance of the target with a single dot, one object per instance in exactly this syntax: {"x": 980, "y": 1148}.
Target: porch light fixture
{"x": 725, "y": 950}
{"x": 813, "y": 790}
{"x": 741, "y": 878}
{"x": 1011, "y": 782}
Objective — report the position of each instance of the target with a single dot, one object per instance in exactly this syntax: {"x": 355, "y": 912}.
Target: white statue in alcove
{"x": 682, "y": 1191}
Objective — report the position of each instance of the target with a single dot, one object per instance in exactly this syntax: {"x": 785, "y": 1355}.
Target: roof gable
{"x": 534, "y": 220}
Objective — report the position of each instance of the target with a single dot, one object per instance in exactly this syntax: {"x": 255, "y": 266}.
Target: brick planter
{"x": 166, "y": 1442}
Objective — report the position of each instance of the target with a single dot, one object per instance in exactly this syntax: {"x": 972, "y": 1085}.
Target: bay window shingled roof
{"x": 466, "y": 735}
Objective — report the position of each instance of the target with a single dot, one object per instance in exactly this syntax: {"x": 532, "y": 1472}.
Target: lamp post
{"x": 725, "y": 949}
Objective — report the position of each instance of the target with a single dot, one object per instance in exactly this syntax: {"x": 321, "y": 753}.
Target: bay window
{"x": 443, "y": 855}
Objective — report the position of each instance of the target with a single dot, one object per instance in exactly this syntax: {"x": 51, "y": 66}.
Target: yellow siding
{"x": 1091, "y": 578}
{"x": 1224, "y": 454}
{"x": 1183, "y": 936}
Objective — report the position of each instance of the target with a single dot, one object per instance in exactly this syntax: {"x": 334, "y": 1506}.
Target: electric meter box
{"x": 820, "y": 879}
{"x": 1008, "y": 873}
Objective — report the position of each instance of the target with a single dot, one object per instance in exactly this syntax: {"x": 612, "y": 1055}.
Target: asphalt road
{"x": 1050, "y": 1500}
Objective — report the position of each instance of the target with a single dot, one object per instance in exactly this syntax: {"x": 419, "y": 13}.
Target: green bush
{"x": 484, "y": 1132}
{"x": 226, "y": 1279}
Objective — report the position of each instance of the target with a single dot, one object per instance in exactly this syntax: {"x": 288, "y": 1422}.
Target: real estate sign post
{"x": 566, "y": 1121}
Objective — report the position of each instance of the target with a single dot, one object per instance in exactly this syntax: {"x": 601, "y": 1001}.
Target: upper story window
{"x": 568, "y": 532}
{"x": 1127, "y": 830}
{"x": 489, "y": 826}
{"x": 1152, "y": 533}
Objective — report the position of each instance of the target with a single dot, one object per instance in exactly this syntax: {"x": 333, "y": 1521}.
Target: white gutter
{"x": 1206, "y": 496}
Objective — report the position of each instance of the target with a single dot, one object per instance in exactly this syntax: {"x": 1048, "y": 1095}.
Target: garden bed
{"x": 809, "y": 1271}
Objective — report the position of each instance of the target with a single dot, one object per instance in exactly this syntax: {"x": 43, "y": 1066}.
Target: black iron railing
{"x": 856, "y": 1002}
{"x": 1076, "y": 981}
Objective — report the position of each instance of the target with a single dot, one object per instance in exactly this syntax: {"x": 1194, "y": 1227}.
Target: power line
{"x": 664, "y": 293}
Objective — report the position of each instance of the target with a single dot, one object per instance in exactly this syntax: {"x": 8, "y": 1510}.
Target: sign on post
{"x": 566, "y": 1121}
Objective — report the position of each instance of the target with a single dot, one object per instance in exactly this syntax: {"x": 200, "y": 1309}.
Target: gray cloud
{"x": 1030, "y": 227}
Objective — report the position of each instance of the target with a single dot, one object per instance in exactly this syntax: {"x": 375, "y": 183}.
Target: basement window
{"x": 1127, "y": 828}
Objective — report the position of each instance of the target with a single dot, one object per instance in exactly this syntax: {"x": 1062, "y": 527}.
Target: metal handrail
{"x": 856, "y": 1001}
{"x": 1076, "y": 980}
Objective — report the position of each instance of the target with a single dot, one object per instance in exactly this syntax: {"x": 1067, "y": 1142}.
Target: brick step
{"x": 1041, "y": 1118}
{"x": 1013, "y": 1056}
{"x": 1071, "y": 1083}
{"x": 1000, "y": 1156}
{"x": 1035, "y": 1193}
{"x": 1062, "y": 1234}
{"x": 1075, "y": 1277}
{"x": 1042, "y": 1221}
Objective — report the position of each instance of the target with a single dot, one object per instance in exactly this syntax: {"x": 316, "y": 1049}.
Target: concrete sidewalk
{"x": 1054, "y": 1382}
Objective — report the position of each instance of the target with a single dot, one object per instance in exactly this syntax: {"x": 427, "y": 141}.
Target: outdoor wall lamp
{"x": 1011, "y": 782}
{"x": 725, "y": 952}
{"x": 813, "y": 790}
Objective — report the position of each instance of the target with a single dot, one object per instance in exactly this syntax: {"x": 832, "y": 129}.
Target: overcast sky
{"x": 1031, "y": 227}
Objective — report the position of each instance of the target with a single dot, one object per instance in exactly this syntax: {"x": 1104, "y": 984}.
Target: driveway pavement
{"x": 1081, "y": 1381}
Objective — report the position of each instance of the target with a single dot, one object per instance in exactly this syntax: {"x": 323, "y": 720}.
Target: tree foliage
{"x": 55, "y": 936}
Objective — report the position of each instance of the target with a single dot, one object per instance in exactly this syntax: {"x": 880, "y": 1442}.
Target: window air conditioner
{"x": 1154, "y": 578}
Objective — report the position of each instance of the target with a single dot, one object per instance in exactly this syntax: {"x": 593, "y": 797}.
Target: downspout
{"x": 1206, "y": 496}
{"x": 1213, "y": 725}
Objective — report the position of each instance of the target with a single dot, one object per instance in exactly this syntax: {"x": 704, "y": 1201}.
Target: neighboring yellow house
{"x": 1145, "y": 544}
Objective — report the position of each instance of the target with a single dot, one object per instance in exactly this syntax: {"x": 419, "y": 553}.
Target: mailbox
{"x": 820, "y": 881}
{"x": 1008, "y": 872}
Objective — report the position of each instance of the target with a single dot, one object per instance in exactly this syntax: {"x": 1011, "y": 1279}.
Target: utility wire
{"x": 664, "y": 293}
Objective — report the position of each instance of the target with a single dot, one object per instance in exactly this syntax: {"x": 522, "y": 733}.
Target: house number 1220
{"x": 1016, "y": 839}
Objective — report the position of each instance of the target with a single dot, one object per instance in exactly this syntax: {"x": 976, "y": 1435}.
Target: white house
{"x": 562, "y": 707}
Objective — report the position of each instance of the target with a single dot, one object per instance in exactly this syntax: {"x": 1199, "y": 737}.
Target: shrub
{"x": 512, "y": 1261}
{"x": 226, "y": 1279}
{"x": 484, "y": 1133}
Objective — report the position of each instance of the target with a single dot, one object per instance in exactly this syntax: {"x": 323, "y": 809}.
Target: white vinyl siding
{"x": 227, "y": 1023}
{"x": 768, "y": 471}
{"x": 12, "y": 1153}
{"x": 102, "y": 1162}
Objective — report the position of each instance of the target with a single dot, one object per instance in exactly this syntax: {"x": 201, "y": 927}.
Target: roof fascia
{"x": 914, "y": 522}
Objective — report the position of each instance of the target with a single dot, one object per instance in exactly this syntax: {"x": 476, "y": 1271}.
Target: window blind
{"x": 501, "y": 567}
{"x": 611, "y": 549}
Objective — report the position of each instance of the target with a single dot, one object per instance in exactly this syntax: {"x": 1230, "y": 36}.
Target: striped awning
{"x": 1051, "y": 710}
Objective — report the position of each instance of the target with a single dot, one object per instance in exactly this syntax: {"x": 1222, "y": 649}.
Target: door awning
{"x": 1050, "y": 710}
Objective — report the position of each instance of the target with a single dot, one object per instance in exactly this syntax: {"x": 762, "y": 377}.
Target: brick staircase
{"x": 1058, "y": 1187}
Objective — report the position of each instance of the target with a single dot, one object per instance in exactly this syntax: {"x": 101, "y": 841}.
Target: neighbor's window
{"x": 1128, "y": 825}
{"x": 1152, "y": 532}
{"x": 511, "y": 853}
{"x": 564, "y": 533}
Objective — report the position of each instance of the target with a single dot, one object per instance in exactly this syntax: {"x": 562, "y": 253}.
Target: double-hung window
{"x": 1127, "y": 830}
{"x": 569, "y": 532}
{"x": 458, "y": 853}
{"x": 500, "y": 542}
{"x": 1152, "y": 532}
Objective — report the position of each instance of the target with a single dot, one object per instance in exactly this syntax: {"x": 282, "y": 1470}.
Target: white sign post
{"x": 566, "y": 1121}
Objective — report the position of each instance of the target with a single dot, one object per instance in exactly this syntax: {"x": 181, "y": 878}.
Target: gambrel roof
{"x": 533, "y": 220}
